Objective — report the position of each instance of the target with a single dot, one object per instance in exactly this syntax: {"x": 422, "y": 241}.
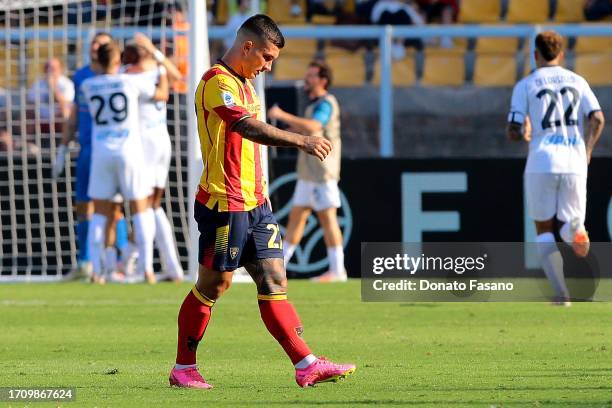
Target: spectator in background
{"x": 597, "y": 9}
{"x": 324, "y": 7}
{"x": 317, "y": 185}
{"x": 440, "y": 12}
{"x": 236, "y": 20}
{"x": 398, "y": 12}
{"x": 52, "y": 96}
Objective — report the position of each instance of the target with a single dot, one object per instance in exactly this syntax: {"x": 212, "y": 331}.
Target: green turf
{"x": 116, "y": 345}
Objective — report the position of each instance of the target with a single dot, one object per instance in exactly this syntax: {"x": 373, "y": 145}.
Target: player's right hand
{"x": 60, "y": 160}
{"x": 317, "y": 146}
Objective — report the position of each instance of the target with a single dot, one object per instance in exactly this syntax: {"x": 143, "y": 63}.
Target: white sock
{"x": 144, "y": 230}
{"x": 306, "y": 361}
{"x": 336, "y": 259}
{"x": 165, "y": 243}
{"x": 288, "y": 250}
{"x": 95, "y": 240}
{"x": 552, "y": 263}
{"x": 184, "y": 366}
{"x": 110, "y": 259}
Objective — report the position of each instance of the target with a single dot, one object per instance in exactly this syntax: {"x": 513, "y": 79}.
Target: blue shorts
{"x": 228, "y": 240}
{"x": 82, "y": 174}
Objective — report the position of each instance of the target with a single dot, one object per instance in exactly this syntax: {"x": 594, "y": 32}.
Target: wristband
{"x": 162, "y": 70}
{"x": 159, "y": 56}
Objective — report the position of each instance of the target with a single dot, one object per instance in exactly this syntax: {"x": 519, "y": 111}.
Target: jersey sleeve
{"x": 589, "y": 102}
{"x": 518, "y": 105}
{"x": 322, "y": 112}
{"x": 222, "y": 96}
{"x": 68, "y": 90}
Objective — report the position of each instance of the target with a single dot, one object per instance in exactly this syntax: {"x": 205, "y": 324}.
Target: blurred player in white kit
{"x": 118, "y": 163}
{"x": 549, "y": 108}
{"x": 142, "y": 58}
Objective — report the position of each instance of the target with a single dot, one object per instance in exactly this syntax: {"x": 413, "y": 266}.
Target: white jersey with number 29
{"x": 556, "y": 100}
{"x": 113, "y": 102}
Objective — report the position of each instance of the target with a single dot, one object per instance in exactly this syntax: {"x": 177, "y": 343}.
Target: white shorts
{"x": 116, "y": 173}
{"x": 318, "y": 196}
{"x": 157, "y": 150}
{"x": 561, "y": 194}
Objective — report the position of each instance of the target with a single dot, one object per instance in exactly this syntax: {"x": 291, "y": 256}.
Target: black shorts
{"x": 228, "y": 240}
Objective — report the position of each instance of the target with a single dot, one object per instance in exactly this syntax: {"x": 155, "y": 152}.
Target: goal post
{"x": 37, "y": 213}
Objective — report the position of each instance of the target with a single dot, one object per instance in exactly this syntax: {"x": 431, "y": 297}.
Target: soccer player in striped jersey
{"x": 143, "y": 59}
{"x": 232, "y": 209}
{"x": 117, "y": 155}
{"x": 553, "y": 102}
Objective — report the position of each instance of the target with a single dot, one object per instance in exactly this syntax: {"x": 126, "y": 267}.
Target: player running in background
{"x": 555, "y": 101}
{"x": 143, "y": 58}
{"x": 118, "y": 163}
{"x": 236, "y": 224}
{"x": 81, "y": 120}
{"x": 317, "y": 185}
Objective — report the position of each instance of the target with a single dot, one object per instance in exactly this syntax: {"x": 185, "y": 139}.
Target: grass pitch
{"x": 116, "y": 345}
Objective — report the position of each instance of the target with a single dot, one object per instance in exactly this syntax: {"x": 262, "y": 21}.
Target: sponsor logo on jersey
{"x": 228, "y": 99}
{"x": 561, "y": 140}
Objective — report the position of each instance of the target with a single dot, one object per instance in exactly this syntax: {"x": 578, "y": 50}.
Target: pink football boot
{"x": 188, "y": 378}
{"x": 322, "y": 370}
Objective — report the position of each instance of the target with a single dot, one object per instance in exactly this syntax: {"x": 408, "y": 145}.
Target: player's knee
{"x": 213, "y": 287}
{"x": 275, "y": 280}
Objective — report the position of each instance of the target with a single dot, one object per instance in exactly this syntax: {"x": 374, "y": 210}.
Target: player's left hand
{"x": 317, "y": 146}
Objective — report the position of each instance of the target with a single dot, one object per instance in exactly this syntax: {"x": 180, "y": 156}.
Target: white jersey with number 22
{"x": 556, "y": 100}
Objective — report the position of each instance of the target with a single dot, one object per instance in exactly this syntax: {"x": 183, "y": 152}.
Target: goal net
{"x": 37, "y": 213}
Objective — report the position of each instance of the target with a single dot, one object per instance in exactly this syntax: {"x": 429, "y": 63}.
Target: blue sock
{"x": 122, "y": 234}
{"x": 82, "y": 229}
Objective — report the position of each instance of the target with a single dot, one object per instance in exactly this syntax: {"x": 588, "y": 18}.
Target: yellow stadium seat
{"x": 46, "y": 49}
{"x": 322, "y": 19}
{"x": 527, "y": 11}
{"x": 222, "y": 12}
{"x": 280, "y": 11}
{"x": 479, "y": 11}
{"x": 495, "y": 70}
{"x": 497, "y": 45}
{"x": 595, "y": 68}
{"x": 292, "y": 68}
{"x": 9, "y": 68}
{"x": 593, "y": 44}
{"x": 299, "y": 46}
{"x": 403, "y": 71}
{"x": 348, "y": 68}
{"x": 443, "y": 67}
{"x": 569, "y": 11}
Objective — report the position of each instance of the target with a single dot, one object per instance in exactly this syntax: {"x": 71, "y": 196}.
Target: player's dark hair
{"x": 549, "y": 44}
{"x": 107, "y": 53}
{"x": 133, "y": 54}
{"x": 264, "y": 28}
{"x": 325, "y": 71}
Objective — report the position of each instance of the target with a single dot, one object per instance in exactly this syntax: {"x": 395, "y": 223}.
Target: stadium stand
{"x": 403, "y": 71}
{"x": 503, "y": 45}
{"x": 348, "y": 67}
{"x": 495, "y": 70}
{"x": 528, "y": 11}
{"x": 291, "y": 69}
{"x": 595, "y": 67}
{"x": 443, "y": 67}
{"x": 280, "y": 11}
{"x": 479, "y": 11}
{"x": 569, "y": 11}
{"x": 593, "y": 44}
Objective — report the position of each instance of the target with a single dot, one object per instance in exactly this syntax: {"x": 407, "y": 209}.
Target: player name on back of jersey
{"x": 555, "y": 79}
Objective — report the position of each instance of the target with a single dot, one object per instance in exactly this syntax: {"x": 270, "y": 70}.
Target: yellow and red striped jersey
{"x": 232, "y": 177}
